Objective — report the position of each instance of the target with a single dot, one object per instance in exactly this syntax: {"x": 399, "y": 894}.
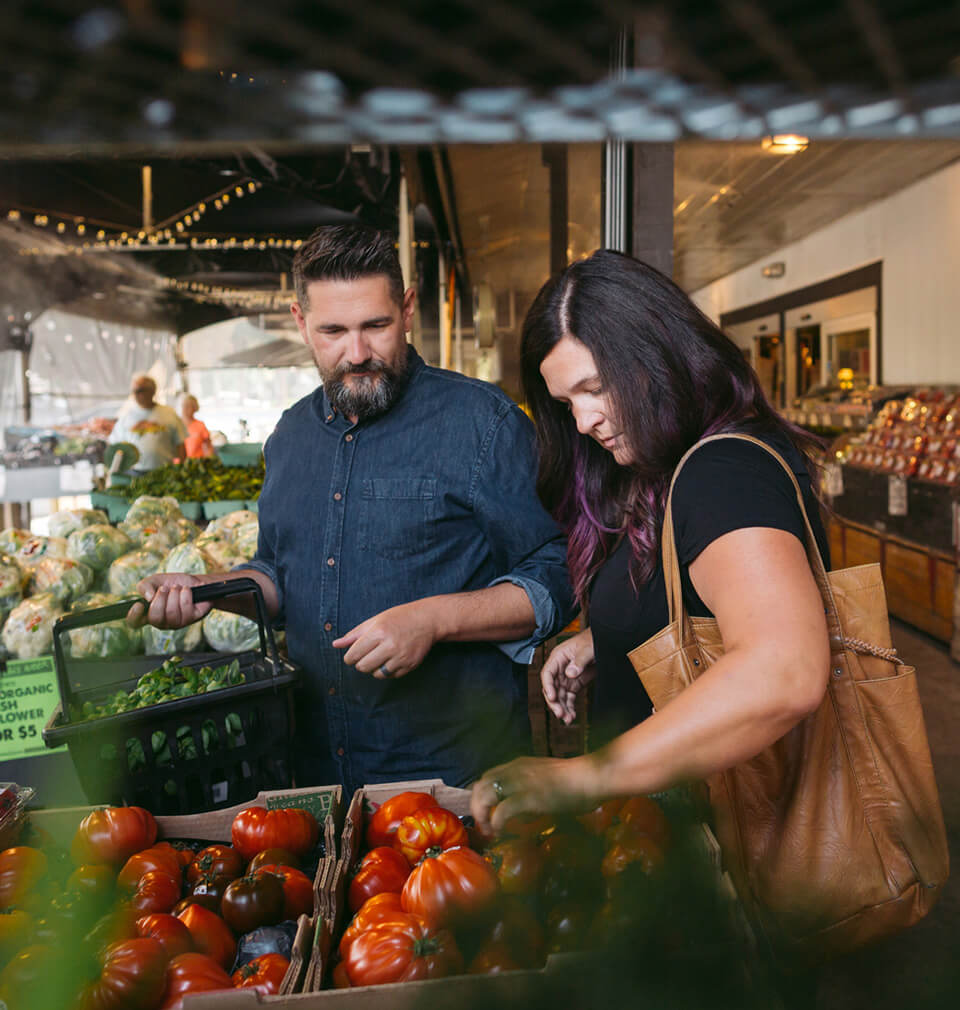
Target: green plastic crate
{"x": 191, "y": 509}
{"x": 240, "y": 453}
{"x": 115, "y": 507}
{"x": 215, "y": 509}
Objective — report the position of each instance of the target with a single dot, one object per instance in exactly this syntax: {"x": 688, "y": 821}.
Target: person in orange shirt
{"x": 197, "y": 441}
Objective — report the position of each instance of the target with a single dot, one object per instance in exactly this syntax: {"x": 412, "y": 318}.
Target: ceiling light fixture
{"x": 785, "y": 143}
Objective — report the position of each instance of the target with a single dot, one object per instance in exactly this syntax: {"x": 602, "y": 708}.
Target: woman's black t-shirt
{"x": 724, "y": 486}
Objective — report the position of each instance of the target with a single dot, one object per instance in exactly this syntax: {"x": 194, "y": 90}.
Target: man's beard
{"x": 369, "y": 396}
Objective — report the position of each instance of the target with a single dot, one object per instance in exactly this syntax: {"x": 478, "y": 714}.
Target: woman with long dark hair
{"x": 623, "y": 375}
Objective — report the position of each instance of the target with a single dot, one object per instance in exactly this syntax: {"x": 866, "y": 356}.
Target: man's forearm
{"x": 500, "y": 613}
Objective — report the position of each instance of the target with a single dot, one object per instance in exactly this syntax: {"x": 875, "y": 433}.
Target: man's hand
{"x": 567, "y": 670}
{"x": 392, "y": 643}
{"x": 170, "y": 599}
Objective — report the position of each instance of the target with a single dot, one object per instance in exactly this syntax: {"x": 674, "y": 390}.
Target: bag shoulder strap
{"x": 671, "y": 563}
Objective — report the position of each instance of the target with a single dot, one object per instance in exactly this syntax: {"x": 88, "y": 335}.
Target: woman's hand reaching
{"x": 567, "y": 670}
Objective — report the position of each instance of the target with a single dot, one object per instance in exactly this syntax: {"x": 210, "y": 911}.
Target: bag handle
{"x": 671, "y": 564}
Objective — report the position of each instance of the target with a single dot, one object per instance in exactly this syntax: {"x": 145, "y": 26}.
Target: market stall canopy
{"x": 238, "y": 342}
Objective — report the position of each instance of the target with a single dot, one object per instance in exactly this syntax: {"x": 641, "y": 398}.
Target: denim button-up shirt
{"x": 436, "y": 496}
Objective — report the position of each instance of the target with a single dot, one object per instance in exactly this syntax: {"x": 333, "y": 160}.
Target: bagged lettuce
{"x": 220, "y": 552}
{"x": 173, "y": 641}
{"x": 28, "y": 631}
{"x": 228, "y": 632}
{"x": 12, "y": 539}
{"x": 64, "y": 579}
{"x": 245, "y": 540}
{"x": 189, "y": 559}
{"x": 65, "y": 522}
{"x": 101, "y": 641}
{"x": 148, "y": 508}
{"x": 11, "y": 585}
{"x": 225, "y": 526}
{"x": 159, "y": 536}
{"x": 36, "y": 549}
{"x": 124, "y": 574}
{"x": 98, "y": 546}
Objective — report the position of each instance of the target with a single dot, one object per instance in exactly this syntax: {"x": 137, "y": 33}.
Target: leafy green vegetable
{"x": 199, "y": 480}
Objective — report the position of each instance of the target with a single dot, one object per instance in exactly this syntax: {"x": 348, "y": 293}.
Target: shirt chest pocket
{"x": 397, "y": 516}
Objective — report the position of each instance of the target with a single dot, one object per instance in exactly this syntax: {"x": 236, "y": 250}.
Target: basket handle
{"x": 116, "y": 611}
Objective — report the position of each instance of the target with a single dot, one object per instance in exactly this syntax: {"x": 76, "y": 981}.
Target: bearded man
{"x": 402, "y": 543}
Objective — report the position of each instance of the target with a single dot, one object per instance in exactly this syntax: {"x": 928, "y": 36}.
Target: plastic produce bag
{"x": 98, "y": 546}
{"x": 175, "y": 641}
{"x": 266, "y": 940}
{"x": 124, "y": 574}
{"x": 221, "y": 552}
{"x": 11, "y": 585}
{"x": 225, "y": 526}
{"x": 228, "y": 632}
{"x": 245, "y": 540}
{"x": 148, "y": 508}
{"x": 188, "y": 559}
{"x": 12, "y": 539}
{"x": 67, "y": 521}
{"x": 111, "y": 638}
{"x": 36, "y": 549}
{"x": 64, "y": 578}
{"x": 28, "y": 632}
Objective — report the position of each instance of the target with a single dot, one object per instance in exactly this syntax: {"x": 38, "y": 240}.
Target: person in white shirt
{"x": 156, "y": 430}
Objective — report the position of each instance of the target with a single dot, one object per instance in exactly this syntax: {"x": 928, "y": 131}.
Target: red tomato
{"x": 209, "y": 891}
{"x": 341, "y": 980}
{"x": 264, "y": 973}
{"x": 518, "y": 863}
{"x": 528, "y": 826}
{"x": 386, "y": 819}
{"x": 21, "y": 868}
{"x": 278, "y": 857}
{"x": 94, "y": 882}
{"x": 432, "y": 828}
{"x": 401, "y": 951}
{"x": 518, "y": 928}
{"x": 113, "y": 834}
{"x": 633, "y": 847}
{"x": 156, "y": 892}
{"x": 193, "y": 973}
{"x": 210, "y": 934}
{"x": 493, "y": 958}
{"x": 162, "y": 857}
{"x": 380, "y": 870}
{"x": 380, "y": 908}
{"x": 456, "y": 885}
{"x": 645, "y": 815}
{"x": 250, "y": 902}
{"x": 133, "y": 975}
{"x": 297, "y": 890}
{"x": 601, "y": 817}
{"x": 257, "y": 828}
{"x": 215, "y": 861}
{"x": 168, "y": 930}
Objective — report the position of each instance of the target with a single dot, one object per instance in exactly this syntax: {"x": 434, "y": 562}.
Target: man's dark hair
{"x": 347, "y": 252}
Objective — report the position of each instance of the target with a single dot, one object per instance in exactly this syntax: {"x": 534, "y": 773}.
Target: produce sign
{"x": 168, "y": 682}
{"x": 127, "y": 922}
{"x": 198, "y": 480}
{"x": 28, "y": 696}
{"x": 431, "y": 897}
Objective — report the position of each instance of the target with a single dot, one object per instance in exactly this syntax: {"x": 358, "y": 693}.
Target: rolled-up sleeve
{"x": 265, "y": 560}
{"x": 528, "y": 546}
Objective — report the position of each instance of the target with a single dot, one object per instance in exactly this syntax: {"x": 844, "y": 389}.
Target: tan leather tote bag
{"x": 833, "y": 835}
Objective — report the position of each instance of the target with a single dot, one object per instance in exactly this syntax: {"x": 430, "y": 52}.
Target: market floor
{"x": 919, "y": 969}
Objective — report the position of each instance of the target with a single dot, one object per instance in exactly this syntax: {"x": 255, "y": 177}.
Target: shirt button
{"x": 340, "y": 752}
{"x": 328, "y": 626}
{"x": 331, "y": 562}
{"x": 332, "y": 691}
{"x": 329, "y": 417}
{"x": 348, "y": 438}
{"x": 337, "y": 496}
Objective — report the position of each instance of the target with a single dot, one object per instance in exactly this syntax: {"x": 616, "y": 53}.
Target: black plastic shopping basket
{"x": 189, "y": 754}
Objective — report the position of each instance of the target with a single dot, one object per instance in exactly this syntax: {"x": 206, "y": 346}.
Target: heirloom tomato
{"x": 215, "y": 861}
{"x": 597, "y": 821}
{"x": 380, "y": 908}
{"x": 380, "y": 870}
{"x": 387, "y": 817}
{"x": 210, "y": 934}
{"x": 95, "y": 882}
{"x": 402, "y": 950}
{"x": 632, "y": 847}
{"x": 156, "y": 892}
{"x": 15, "y": 930}
{"x": 162, "y": 856}
{"x": 493, "y": 958}
{"x": 518, "y": 863}
{"x": 21, "y": 869}
{"x": 188, "y": 973}
{"x": 113, "y": 834}
{"x": 120, "y": 924}
{"x": 518, "y": 928}
{"x": 264, "y": 973}
{"x": 451, "y": 887}
{"x": 341, "y": 980}
{"x": 29, "y": 982}
{"x": 249, "y": 902}
{"x": 567, "y": 926}
{"x": 133, "y": 975}
{"x": 297, "y": 890}
{"x": 278, "y": 857}
{"x": 208, "y": 891}
{"x": 645, "y": 816}
{"x": 168, "y": 930}
{"x": 430, "y": 829}
{"x": 257, "y": 828}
